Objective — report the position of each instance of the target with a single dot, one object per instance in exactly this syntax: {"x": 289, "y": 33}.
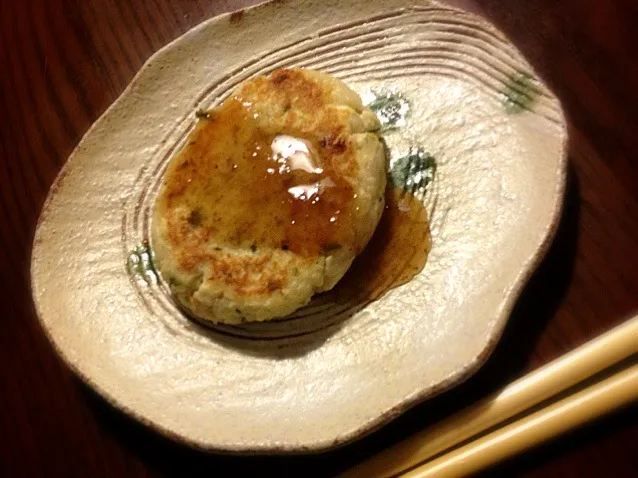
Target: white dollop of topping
{"x": 294, "y": 154}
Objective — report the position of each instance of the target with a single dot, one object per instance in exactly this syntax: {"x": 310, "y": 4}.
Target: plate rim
{"x": 506, "y": 306}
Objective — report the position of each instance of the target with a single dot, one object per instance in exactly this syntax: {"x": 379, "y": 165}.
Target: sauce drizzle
{"x": 249, "y": 188}
{"x": 396, "y": 253}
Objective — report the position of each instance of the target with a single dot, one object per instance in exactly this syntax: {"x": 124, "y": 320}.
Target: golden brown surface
{"x": 271, "y": 198}
{"x": 65, "y": 61}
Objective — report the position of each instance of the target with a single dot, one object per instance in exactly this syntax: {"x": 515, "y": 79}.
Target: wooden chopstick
{"x": 592, "y": 402}
{"x": 549, "y": 380}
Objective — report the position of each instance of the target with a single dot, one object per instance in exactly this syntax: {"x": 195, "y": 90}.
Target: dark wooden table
{"x": 62, "y": 62}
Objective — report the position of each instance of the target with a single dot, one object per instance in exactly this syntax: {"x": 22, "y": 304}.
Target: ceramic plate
{"x": 457, "y": 93}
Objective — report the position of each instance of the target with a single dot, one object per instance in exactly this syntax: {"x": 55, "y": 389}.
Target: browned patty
{"x": 271, "y": 198}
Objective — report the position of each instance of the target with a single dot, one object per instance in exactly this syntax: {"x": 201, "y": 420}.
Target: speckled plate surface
{"x": 333, "y": 372}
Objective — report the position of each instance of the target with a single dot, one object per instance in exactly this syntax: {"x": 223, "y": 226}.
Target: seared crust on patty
{"x": 273, "y": 195}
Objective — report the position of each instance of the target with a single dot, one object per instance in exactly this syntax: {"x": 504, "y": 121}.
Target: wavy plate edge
{"x": 500, "y": 320}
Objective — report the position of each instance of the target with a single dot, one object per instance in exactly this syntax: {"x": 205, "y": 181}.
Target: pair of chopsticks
{"x": 436, "y": 451}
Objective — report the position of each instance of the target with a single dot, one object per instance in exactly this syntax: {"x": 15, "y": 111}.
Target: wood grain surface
{"x": 62, "y": 63}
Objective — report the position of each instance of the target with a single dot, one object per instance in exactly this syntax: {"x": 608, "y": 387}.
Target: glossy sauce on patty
{"x": 396, "y": 253}
{"x": 244, "y": 187}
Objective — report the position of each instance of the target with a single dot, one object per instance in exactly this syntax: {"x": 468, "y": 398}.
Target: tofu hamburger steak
{"x": 271, "y": 198}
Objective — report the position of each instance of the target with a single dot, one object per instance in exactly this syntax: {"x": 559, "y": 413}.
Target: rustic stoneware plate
{"x": 450, "y": 86}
